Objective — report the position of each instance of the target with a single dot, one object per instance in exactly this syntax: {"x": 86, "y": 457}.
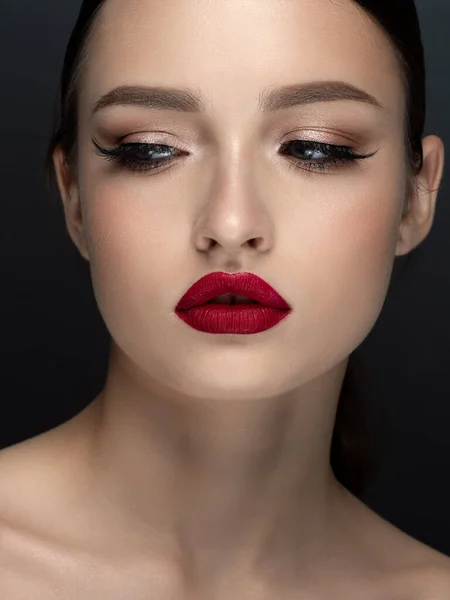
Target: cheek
{"x": 136, "y": 242}
{"x": 343, "y": 263}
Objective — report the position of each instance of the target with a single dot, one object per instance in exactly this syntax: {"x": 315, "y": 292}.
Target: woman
{"x": 265, "y": 149}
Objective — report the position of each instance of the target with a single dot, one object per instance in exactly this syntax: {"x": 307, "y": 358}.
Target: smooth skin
{"x": 201, "y": 471}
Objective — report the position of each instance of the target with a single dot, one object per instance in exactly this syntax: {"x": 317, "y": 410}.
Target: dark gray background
{"x": 54, "y": 343}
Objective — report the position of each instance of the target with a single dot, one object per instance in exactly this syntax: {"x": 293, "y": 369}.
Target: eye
{"x": 306, "y": 155}
{"x": 317, "y": 156}
{"x": 138, "y": 156}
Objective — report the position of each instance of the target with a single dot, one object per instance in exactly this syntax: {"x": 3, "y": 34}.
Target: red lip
{"x": 244, "y": 284}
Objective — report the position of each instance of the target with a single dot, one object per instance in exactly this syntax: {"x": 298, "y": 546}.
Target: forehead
{"x": 232, "y": 49}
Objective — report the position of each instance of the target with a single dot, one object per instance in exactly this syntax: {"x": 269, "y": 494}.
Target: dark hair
{"x": 352, "y": 448}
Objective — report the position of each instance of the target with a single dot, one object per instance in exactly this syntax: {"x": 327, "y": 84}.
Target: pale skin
{"x": 202, "y": 469}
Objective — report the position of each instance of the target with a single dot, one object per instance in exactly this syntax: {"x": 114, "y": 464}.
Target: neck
{"x": 230, "y": 486}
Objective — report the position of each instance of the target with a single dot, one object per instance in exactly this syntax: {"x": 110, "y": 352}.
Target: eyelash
{"x": 124, "y": 155}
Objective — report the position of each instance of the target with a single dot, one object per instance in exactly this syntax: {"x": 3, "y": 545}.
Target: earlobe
{"x": 418, "y": 220}
{"x": 68, "y": 190}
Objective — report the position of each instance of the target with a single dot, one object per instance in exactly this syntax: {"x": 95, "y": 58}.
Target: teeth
{"x": 231, "y": 299}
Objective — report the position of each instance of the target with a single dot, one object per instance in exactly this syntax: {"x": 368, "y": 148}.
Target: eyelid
{"x": 155, "y": 138}
{"x": 325, "y": 134}
{"x": 331, "y": 138}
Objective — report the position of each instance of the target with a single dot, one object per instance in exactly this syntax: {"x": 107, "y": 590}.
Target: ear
{"x": 68, "y": 189}
{"x": 418, "y": 219}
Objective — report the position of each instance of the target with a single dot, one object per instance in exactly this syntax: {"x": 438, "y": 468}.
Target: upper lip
{"x": 244, "y": 284}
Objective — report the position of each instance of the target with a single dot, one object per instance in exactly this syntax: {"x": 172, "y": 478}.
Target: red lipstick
{"x": 264, "y": 307}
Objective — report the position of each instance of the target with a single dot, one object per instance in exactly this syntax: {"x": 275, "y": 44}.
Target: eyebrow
{"x": 270, "y": 99}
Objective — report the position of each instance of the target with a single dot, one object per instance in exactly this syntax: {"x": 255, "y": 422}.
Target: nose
{"x": 234, "y": 216}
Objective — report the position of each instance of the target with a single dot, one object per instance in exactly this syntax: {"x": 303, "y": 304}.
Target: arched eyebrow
{"x": 270, "y": 99}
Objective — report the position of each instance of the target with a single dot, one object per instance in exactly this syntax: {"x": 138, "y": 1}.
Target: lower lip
{"x": 232, "y": 318}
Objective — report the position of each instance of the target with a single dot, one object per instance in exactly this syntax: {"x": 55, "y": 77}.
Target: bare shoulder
{"x": 431, "y": 582}
{"x": 24, "y": 471}
{"x": 426, "y": 578}
{"x": 36, "y": 472}
{"x": 35, "y": 482}
{"x": 399, "y": 566}
{"x": 436, "y": 582}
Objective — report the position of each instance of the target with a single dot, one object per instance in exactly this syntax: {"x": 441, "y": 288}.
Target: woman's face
{"x": 326, "y": 239}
